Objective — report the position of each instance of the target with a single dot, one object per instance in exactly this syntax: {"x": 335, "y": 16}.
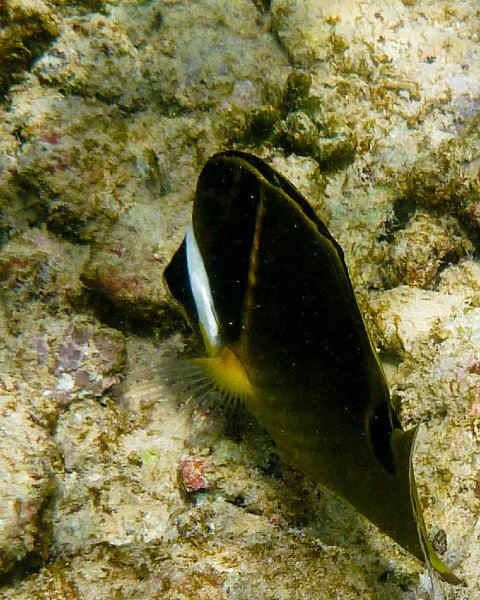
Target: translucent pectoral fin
{"x": 227, "y": 373}
{"x": 196, "y": 384}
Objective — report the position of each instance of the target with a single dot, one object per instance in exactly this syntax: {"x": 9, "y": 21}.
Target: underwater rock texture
{"x": 27, "y": 455}
{"x": 111, "y": 485}
{"x": 26, "y": 29}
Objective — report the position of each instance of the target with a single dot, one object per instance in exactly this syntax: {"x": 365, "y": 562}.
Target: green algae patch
{"x": 298, "y": 124}
{"x": 26, "y": 30}
{"x": 69, "y": 147}
{"x": 419, "y": 252}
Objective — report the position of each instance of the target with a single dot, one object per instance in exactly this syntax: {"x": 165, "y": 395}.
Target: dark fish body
{"x": 265, "y": 285}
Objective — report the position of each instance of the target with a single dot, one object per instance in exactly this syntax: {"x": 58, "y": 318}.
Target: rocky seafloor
{"x": 110, "y": 485}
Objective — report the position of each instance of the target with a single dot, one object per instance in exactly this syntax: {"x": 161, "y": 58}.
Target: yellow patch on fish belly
{"x": 227, "y": 373}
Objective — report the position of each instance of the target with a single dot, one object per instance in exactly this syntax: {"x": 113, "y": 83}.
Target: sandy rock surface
{"x": 114, "y": 485}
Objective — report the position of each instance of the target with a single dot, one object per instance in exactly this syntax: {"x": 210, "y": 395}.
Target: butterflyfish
{"x": 263, "y": 283}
